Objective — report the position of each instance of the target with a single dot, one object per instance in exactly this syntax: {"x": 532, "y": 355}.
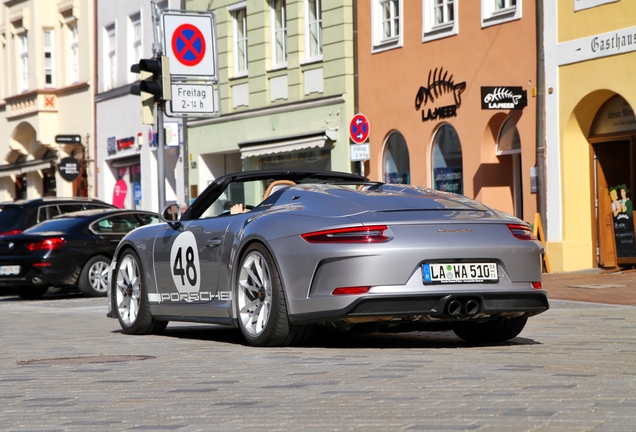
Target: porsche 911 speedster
{"x": 331, "y": 249}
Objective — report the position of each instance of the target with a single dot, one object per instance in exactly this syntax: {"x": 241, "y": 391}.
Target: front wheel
{"x": 499, "y": 330}
{"x": 93, "y": 281}
{"x": 133, "y": 311}
{"x": 260, "y": 303}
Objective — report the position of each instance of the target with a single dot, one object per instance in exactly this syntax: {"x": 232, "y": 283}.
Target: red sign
{"x": 359, "y": 128}
{"x": 188, "y": 45}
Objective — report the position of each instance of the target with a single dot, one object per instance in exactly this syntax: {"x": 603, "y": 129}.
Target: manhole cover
{"x": 596, "y": 286}
{"x": 85, "y": 360}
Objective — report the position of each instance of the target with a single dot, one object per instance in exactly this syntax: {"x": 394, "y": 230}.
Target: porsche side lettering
{"x": 194, "y": 296}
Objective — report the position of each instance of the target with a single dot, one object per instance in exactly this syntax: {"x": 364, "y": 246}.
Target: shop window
{"x": 509, "y": 144}
{"x": 447, "y": 161}
{"x": 396, "y": 160}
{"x": 49, "y": 183}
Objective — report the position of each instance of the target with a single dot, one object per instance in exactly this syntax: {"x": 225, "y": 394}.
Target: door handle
{"x": 212, "y": 243}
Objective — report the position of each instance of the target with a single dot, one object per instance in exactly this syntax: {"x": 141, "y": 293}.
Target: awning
{"x": 125, "y": 162}
{"x": 287, "y": 144}
{"x": 27, "y": 166}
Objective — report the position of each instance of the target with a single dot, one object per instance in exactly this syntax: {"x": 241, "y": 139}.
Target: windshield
{"x": 55, "y": 225}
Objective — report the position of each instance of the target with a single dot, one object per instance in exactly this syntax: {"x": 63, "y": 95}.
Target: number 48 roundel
{"x": 184, "y": 263}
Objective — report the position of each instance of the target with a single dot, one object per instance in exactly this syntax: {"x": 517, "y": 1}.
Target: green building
{"x": 286, "y": 73}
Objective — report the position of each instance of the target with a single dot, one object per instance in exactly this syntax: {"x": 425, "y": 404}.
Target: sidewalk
{"x": 592, "y": 286}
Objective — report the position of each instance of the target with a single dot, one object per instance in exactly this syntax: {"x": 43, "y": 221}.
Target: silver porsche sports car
{"x": 279, "y": 253}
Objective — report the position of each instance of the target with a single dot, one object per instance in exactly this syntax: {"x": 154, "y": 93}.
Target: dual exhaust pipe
{"x": 462, "y": 307}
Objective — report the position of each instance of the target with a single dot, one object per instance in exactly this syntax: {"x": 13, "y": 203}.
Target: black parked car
{"x": 73, "y": 250}
{"x": 16, "y": 216}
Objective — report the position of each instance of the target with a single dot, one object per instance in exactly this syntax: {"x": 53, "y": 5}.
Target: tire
{"x": 131, "y": 297}
{"x": 499, "y": 330}
{"x": 30, "y": 292}
{"x": 260, "y": 303}
{"x": 93, "y": 280}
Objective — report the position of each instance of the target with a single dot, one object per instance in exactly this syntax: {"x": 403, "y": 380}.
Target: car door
{"x": 187, "y": 262}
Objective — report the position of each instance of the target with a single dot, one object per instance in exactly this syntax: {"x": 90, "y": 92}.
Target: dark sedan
{"x": 74, "y": 250}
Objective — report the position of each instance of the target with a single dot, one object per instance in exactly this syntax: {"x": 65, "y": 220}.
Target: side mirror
{"x": 171, "y": 213}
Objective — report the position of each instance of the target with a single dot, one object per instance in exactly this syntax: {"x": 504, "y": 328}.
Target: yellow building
{"x": 590, "y": 132}
{"x": 46, "y": 99}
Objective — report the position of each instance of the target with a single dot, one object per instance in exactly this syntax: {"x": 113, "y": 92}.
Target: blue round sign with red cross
{"x": 188, "y": 45}
{"x": 359, "y": 128}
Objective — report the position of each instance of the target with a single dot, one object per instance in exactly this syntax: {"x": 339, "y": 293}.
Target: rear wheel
{"x": 93, "y": 281}
{"x": 260, "y": 302}
{"x": 133, "y": 311}
{"x": 498, "y": 330}
{"x": 30, "y": 292}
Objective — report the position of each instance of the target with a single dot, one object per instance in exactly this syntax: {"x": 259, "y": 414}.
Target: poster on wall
{"x": 623, "y": 218}
{"x": 119, "y": 193}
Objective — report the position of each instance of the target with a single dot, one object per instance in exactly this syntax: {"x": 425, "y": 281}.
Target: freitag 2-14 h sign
{"x": 503, "y": 98}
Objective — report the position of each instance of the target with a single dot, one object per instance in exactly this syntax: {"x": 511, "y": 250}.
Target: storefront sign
{"x": 111, "y": 145}
{"x": 503, "y": 98}
{"x": 622, "y": 213}
{"x": 616, "y": 116}
{"x": 442, "y": 92}
{"x": 125, "y": 143}
{"x": 68, "y": 139}
{"x": 69, "y": 168}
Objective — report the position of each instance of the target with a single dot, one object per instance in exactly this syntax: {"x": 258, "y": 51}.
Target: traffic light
{"x": 154, "y": 85}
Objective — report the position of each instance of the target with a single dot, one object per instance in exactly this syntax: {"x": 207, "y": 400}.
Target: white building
{"x": 46, "y": 97}
{"x": 125, "y": 149}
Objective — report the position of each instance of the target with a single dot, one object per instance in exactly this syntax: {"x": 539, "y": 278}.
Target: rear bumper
{"x": 436, "y": 307}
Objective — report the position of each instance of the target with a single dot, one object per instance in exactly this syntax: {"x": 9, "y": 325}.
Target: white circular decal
{"x": 184, "y": 263}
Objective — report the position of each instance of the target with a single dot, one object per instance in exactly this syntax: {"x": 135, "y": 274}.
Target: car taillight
{"x": 537, "y": 285}
{"x": 522, "y": 232}
{"x": 351, "y": 290}
{"x": 6, "y": 233}
{"x": 48, "y": 244}
{"x": 361, "y": 234}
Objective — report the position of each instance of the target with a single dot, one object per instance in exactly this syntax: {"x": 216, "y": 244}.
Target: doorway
{"x": 614, "y": 164}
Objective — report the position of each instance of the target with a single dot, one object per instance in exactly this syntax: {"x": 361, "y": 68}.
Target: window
{"x": 387, "y": 24}
{"x": 134, "y": 43}
{"x": 499, "y": 11}
{"x": 313, "y": 30}
{"x": 111, "y": 59}
{"x": 73, "y": 54}
{"x": 240, "y": 41}
{"x": 396, "y": 160}
{"x": 439, "y": 19}
{"x": 447, "y": 161}
{"x": 279, "y": 33}
{"x": 23, "y": 50}
{"x": 49, "y": 60}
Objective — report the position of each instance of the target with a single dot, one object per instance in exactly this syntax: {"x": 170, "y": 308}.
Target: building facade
{"x": 590, "y": 132}
{"x": 448, "y": 89}
{"x": 46, "y": 98}
{"x": 126, "y": 150}
{"x": 286, "y": 73}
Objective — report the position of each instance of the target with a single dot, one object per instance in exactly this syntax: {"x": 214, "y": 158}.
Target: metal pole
{"x": 157, "y": 51}
{"x": 540, "y": 132}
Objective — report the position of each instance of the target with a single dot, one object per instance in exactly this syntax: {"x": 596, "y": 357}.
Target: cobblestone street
{"x": 66, "y": 367}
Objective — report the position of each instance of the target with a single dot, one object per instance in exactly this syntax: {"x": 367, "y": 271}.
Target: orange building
{"x": 448, "y": 89}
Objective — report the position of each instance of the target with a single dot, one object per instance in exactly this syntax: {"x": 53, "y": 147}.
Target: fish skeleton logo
{"x": 439, "y": 84}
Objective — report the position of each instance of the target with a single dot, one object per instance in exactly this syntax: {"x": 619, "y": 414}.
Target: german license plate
{"x": 459, "y": 273}
{"x": 9, "y": 270}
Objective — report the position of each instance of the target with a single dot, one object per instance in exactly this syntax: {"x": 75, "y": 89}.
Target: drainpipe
{"x": 540, "y": 132}
{"x": 186, "y": 155}
{"x": 355, "y": 71}
{"x": 95, "y": 87}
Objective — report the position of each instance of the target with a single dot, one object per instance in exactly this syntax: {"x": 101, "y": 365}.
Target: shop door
{"x": 612, "y": 168}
